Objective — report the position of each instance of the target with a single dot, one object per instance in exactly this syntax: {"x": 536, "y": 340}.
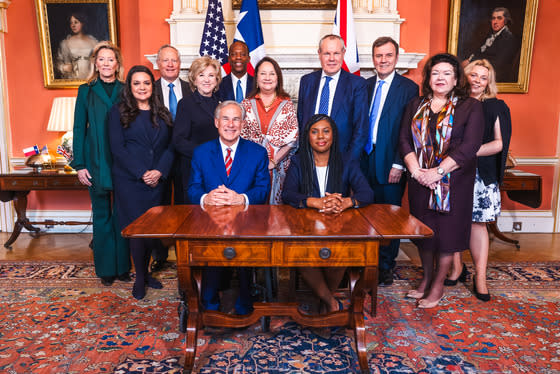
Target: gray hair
{"x": 507, "y": 14}
{"x": 167, "y": 46}
{"x": 333, "y": 36}
{"x": 223, "y": 104}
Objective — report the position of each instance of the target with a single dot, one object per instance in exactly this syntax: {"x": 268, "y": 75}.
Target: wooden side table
{"x": 17, "y": 185}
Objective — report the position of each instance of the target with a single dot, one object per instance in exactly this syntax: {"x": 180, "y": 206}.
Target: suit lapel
{"x": 217, "y": 160}
{"x": 238, "y": 161}
{"x": 391, "y": 96}
{"x": 100, "y": 92}
{"x": 314, "y": 91}
{"x": 340, "y": 96}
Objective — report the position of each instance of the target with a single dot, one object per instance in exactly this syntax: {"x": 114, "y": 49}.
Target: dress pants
{"x": 111, "y": 255}
{"x": 390, "y": 193}
{"x": 211, "y": 279}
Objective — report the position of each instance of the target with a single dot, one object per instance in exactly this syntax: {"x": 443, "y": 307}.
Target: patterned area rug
{"x": 58, "y": 318}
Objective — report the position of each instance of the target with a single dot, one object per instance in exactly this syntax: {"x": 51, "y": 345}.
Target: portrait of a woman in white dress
{"x": 72, "y": 58}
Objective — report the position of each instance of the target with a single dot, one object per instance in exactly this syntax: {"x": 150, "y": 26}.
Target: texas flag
{"x": 30, "y": 151}
{"x": 249, "y": 30}
{"x": 344, "y": 27}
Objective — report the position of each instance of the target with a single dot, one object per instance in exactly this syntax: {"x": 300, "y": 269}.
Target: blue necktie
{"x": 373, "y": 117}
{"x": 238, "y": 92}
{"x": 324, "y": 101}
{"x": 172, "y": 101}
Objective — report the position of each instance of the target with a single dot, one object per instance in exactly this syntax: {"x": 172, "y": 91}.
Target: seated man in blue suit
{"x": 338, "y": 94}
{"x": 381, "y": 163}
{"x": 228, "y": 171}
{"x": 237, "y": 84}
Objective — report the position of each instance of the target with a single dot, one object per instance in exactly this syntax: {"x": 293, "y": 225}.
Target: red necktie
{"x": 229, "y": 161}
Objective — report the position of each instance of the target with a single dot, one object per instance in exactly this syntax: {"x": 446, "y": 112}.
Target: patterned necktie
{"x": 239, "y": 92}
{"x": 324, "y": 101}
{"x": 172, "y": 101}
{"x": 373, "y": 117}
{"x": 229, "y": 161}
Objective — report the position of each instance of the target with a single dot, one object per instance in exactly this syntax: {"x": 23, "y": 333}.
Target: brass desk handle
{"x": 325, "y": 253}
{"x": 229, "y": 253}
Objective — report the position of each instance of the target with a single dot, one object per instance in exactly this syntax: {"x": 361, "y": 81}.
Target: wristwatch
{"x": 355, "y": 203}
{"x": 440, "y": 171}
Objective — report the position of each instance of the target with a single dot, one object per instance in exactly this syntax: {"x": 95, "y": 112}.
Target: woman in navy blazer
{"x": 139, "y": 136}
{"x": 320, "y": 177}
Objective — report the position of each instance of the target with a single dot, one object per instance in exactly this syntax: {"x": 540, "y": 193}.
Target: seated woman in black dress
{"x": 320, "y": 177}
{"x": 139, "y": 136}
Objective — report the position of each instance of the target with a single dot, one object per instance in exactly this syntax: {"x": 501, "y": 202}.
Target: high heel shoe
{"x": 462, "y": 277}
{"x": 424, "y": 304}
{"x": 414, "y": 294}
{"x": 480, "y": 296}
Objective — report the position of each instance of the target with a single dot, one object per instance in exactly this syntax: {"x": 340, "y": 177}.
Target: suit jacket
{"x": 353, "y": 181}
{"x": 249, "y": 171}
{"x": 185, "y": 89}
{"x": 349, "y": 109}
{"x": 90, "y": 144}
{"x": 400, "y": 93}
{"x": 227, "y": 92}
{"x": 503, "y": 55}
{"x": 137, "y": 149}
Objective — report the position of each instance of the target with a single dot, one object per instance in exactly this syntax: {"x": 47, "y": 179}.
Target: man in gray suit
{"x": 388, "y": 95}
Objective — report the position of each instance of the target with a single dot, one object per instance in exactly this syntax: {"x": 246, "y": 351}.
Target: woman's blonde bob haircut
{"x": 116, "y": 50}
{"x": 198, "y": 67}
{"x": 491, "y": 89}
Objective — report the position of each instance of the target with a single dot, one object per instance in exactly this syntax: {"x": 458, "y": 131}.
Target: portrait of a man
{"x": 492, "y": 30}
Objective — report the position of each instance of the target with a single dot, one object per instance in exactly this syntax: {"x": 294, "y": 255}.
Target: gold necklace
{"x": 267, "y": 107}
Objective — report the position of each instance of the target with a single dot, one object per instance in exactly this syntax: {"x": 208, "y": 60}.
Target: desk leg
{"x": 20, "y": 204}
{"x": 194, "y": 317}
{"x": 500, "y": 235}
{"x": 369, "y": 278}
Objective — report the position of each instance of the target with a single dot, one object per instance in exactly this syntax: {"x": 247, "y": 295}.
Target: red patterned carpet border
{"x": 57, "y": 318}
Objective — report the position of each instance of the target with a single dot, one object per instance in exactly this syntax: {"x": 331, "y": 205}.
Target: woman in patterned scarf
{"x": 440, "y": 135}
{"x": 271, "y": 122}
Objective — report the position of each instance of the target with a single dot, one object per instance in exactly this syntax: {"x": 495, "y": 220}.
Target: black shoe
{"x": 107, "y": 281}
{"x": 138, "y": 291}
{"x": 462, "y": 277}
{"x": 153, "y": 283}
{"x": 124, "y": 277}
{"x": 480, "y": 296}
{"x": 385, "y": 277}
{"x": 158, "y": 265}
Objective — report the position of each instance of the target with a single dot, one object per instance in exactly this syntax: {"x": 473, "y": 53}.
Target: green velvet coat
{"x": 91, "y": 142}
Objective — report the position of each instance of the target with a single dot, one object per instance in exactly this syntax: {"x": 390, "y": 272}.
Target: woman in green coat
{"x": 92, "y": 160}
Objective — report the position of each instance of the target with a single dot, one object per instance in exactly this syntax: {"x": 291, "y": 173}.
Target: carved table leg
{"x": 368, "y": 278}
{"x": 500, "y": 235}
{"x": 20, "y": 204}
{"x": 194, "y": 318}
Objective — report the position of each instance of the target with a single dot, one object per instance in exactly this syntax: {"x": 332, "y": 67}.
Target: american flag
{"x": 214, "y": 42}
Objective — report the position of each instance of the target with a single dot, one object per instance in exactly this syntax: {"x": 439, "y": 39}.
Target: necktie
{"x": 324, "y": 101}
{"x": 172, "y": 101}
{"x": 239, "y": 92}
{"x": 373, "y": 117}
{"x": 229, "y": 161}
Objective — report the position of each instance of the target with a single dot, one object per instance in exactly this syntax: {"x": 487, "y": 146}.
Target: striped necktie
{"x": 229, "y": 161}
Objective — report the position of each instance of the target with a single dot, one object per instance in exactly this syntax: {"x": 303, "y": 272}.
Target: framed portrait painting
{"x": 68, "y": 31}
{"x": 501, "y": 32}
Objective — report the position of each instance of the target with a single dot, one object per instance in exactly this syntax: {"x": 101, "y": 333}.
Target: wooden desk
{"x": 522, "y": 187}
{"x": 275, "y": 236}
{"x": 17, "y": 185}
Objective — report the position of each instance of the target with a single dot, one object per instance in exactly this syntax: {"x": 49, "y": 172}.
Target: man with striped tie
{"x": 228, "y": 171}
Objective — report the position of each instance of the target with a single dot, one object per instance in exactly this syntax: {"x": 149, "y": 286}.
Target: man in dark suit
{"x": 228, "y": 171}
{"x": 237, "y": 84}
{"x": 337, "y": 93}
{"x": 170, "y": 89}
{"x": 388, "y": 95}
{"x": 500, "y": 47}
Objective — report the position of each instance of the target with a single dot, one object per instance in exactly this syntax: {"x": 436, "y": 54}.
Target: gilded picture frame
{"x": 291, "y": 4}
{"x": 473, "y": 35}
{"x": 68, "y": 31}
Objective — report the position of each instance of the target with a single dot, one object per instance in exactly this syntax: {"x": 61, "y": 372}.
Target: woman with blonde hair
{"x": 92, "y": 160}
{"x": 491, "y": 161}
{"x": 194, "y": 122}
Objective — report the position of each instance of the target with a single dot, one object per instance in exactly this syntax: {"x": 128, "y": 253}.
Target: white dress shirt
{"x": 176, "y": 89}
{"x": 243, "y": 80}
{"x": 332, "y": 89}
